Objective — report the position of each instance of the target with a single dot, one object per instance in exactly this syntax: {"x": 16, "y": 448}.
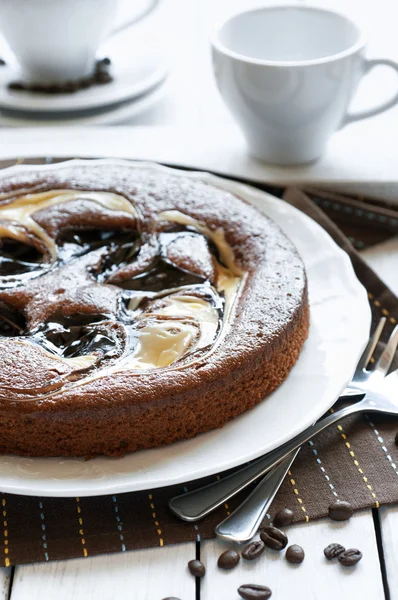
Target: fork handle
{"x": 243, "y": 523}
{"x": 195, "y": 505}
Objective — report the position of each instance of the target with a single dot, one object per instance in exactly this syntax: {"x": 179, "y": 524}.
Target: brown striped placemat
{"x": 356, "y": 460}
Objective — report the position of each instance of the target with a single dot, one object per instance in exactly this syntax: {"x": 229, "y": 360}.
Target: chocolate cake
{"x": 138, "y": 307}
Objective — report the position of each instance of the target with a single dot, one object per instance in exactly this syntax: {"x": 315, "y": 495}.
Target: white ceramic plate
{"x": 340, "y": 322}
{"x": 135, "y": 71}
{"x": 112, "y": 115}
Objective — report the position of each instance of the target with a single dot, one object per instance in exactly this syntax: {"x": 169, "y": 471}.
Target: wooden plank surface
{"x": 316, "y": 578}
{"x": 389, "y": 535}
{"x": 157, "y": 573}
{"x": 150, "y": 574}
{"x": 5, "y": 582}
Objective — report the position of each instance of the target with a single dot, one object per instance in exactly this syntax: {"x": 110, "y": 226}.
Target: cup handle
{"x": 150, "y": 7}
{"x": 370, "y": 112}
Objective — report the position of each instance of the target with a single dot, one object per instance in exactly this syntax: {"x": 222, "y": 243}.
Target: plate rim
{"x": 63, "y": 488}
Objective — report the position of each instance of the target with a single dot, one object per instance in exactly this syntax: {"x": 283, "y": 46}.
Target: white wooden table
{"x": 191, "y": 101}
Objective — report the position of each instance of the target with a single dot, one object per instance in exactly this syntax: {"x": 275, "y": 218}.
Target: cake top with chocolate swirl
{"x": 107, "y": 269}
{"x": 88, "y": 283}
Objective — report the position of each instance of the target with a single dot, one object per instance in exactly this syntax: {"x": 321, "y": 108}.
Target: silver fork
{"x": 243, "y": 523}
{"x": 198, "y": 503}
{"x": 382, "y": 400}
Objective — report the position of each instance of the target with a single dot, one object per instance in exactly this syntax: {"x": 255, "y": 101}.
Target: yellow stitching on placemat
{"x": 5, "y": 533}
{"x": 159, "y": 531}
{"x": 81, "y": 530}
{"x": 356, "y": 463}
{"x": 393, "y": 321}
{"x": 297, "y": 494}
{"x": 384, "y": 311}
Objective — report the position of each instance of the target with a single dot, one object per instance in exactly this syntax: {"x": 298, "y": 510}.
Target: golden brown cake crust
{"x": 130, "y": 410}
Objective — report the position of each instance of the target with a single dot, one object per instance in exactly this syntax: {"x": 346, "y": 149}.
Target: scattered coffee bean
{"x": 252, "y": 591}
{"x": 171, "y": 598}
{"x": 274, "y": 538}
{"x": 228, "y": 559}
{"x": 295, "y": 554}
{"x": 350, "y": 557}
{"x": 2, "y": 62}
{"x": 253, "y": 550}
{"x": 196, "y": 568}
{"x": 333, "y": 551}
{"x": 103, "y": 63}
{"x": 340, "y": 511}
{"x": 396, "y": 438}
{"x": 283, "y": 517}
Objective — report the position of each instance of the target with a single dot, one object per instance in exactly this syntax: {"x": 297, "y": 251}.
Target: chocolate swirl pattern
{"x": 138, "y": 307}
{"x": 85, "y": 289}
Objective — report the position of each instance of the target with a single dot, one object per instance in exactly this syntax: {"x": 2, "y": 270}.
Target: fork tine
{"x": 371, "y": 345}
{"x": 387, "y": 356}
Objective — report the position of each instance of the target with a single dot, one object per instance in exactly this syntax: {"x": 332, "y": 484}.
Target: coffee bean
{"x": 228, "y": 559}
{"x": 295, "y": 554}
{"x": 171, "y": 598}
{"x": 252, "y": 591}
{"x": 15, "y": 85}
{"x": 253, "y": 550}
{"x": 100, "y": 76}
{"x": 396, "y": 438}
{"x": 104, "y": 61}
{"x": 283, "y": 517}
{"x": 350, "y": 557}
{"x": 274, "y": 538}
{"x": 333, "y": 551}
{"x": 196, "y": 568}
{"x": 340, "y": 511}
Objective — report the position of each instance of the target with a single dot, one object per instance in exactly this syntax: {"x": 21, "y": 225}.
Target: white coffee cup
{"x": 288, "y": 73}
{"x": 56, "y": 40}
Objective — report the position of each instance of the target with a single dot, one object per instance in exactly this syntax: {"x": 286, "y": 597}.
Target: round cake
{"x": 138, "y": 307}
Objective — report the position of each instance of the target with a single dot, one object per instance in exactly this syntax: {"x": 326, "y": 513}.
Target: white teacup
{"x": 56, "y": 40}
{"x": 288, "y": 74}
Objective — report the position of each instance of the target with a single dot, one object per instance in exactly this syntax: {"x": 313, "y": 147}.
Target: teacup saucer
{"x": 135, "y": 72}
{"x": 113, "y": 115}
